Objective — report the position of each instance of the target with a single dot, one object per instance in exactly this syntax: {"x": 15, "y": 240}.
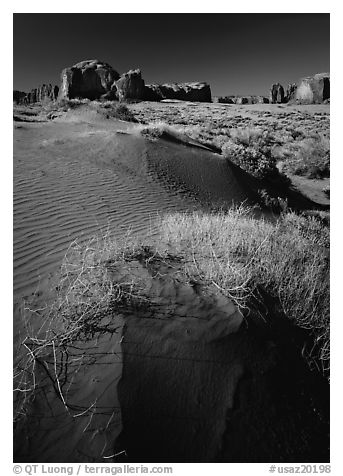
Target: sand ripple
{"x": 71, "y": 182}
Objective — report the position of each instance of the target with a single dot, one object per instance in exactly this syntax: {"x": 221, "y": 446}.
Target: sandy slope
{"x": 74, "y": 177}
{"x": 184, "y": 379}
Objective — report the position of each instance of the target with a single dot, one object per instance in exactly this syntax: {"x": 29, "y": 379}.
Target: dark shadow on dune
{"x": 276, "y": 188}
{"x": 238, "y": 395}
{"x": 203, "y": 174}
{"x": 188, "y": 141}
{"x": 247, "y": 397}
{"x": 216, "y": 182}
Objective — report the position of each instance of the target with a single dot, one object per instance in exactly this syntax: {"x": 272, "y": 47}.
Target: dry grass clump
{"x": 157, "y": 129}
{"x": 250, "y": 136}
{"x": 88, "y": 300}
{"x": 269, "y": 269}
{"x": 274, "y": 269}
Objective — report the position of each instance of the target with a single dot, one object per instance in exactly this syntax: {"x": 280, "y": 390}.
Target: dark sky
{"x": 234, "y": 53}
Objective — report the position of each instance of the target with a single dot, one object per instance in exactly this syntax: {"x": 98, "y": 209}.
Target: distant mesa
{"x": 310, "y": 90}
{"x": 241, "y": 99}
{"x": 196, "y": 91}
{"x": 46, "y": 92}
{"x": 18, "y": 96}
{"x": 313, "y": 89}
{"x": 88, "y": 79}
{"x": 94, "y": 79}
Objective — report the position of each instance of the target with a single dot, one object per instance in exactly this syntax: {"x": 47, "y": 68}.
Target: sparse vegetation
{"x": 267, "y": 269}
{"x": 280, "y": 268}
{"x": 265, "y": 144}
{"x": 250, "y": 149}
{"x": 309, "y": 157}
{"x": 86, "y": 302}
{"x": 110, "y": 109}
{"x": 117, "y": 111}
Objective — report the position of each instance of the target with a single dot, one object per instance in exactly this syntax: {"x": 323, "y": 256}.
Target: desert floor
{"x": 81, "y": 174}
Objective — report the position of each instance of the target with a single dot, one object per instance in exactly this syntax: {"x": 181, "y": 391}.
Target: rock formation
{"x": 277, "y": 94}
{"x": 313, "y": 89}
{"x": 94, "y": 79}
{"x": 291, "y": 88}
{"x": 130, "y": 85}
{"x": 18, "y": 96}
{"x": 224, "y": 99}
{"x": 197, "y": 91}
{"x": 46, "y": 92}
{"x": 88, "y": 79}
{"x": 242, "y": 100}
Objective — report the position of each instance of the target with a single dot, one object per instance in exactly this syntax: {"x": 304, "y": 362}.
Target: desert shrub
{"x": 309, "y": 157}
{"x": 248, "y": 258}
{"x": 276, "y": 204}
{"x": 177, "y": 132}
{"x": 251, "y": 149}
{"x": 257, "y": 161}
{"x": 118, "y": 111}
{"x": 153, "y": 131}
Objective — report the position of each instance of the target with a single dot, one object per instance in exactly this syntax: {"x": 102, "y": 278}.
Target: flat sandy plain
{"x": 83, "y": 174}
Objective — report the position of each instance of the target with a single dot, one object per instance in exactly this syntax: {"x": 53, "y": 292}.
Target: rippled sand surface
{"x": 72, "y": 181}
{"x": 75, "y": 179}
{"x": 186, "y": 381}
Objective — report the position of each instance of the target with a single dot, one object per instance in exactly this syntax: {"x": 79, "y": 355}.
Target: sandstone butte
{"x": 94, "y": 79}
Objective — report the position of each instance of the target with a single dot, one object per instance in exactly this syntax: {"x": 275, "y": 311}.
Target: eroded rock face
{"x": 46, "y": 92}
{"x": 18, "y": 96}
{"x": 197, "y": 91}
{"x": 88, "y": 79}
{"x": 242, "y": 100}
{"x": 224, "y": 99}
{"x": 130, "y": 85}
{"x": 277, "y": 94}
{"x": 290, "y": 92}
{"x": 313, "y": 89}
{"x": 94, "y": 79}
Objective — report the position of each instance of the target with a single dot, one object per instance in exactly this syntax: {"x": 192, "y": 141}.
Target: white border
{"x": 177, "y": 6}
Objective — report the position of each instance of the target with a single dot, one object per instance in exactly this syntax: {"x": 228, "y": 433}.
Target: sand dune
{"x": 68, "y": 185}
{"x": 76, "y": 178}
{"x": 161, "y": 386}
